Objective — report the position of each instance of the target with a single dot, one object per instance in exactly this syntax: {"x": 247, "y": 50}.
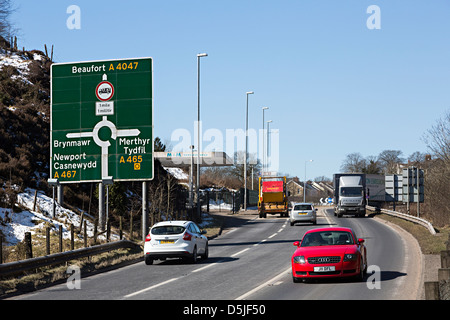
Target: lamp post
{"x": 245, "y": 155}
{"x": 263, "y": 153}
{"x": 268, "y": 130}
{"x": 200, "y": 55}
{"x": 191, "y": 178}
{"x": 304, "y": 186}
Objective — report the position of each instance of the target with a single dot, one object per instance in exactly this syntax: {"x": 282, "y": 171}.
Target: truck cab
{"x": 350, "y": 195}
{"x": 272, "y": 196}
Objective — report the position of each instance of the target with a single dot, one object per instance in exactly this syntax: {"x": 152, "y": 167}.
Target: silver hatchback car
{"x": 302, "y": 212}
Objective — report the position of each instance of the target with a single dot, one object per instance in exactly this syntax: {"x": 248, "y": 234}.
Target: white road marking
{"x": 206, "y": 267}
{"x": 326, "y": 217}
{"x": 231, "y": 230}
{"x": 237, "y": 253}
{"x": 271, "y": 281}
{"x": 256, "y": 244}
{"x": 150, "y": 288}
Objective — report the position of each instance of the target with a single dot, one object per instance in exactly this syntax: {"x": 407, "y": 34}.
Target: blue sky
{"x": 333, "y": 86}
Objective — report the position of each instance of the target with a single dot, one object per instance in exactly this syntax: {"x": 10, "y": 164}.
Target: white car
{"x": 302, "y": 212}
{"x": 175, "y": 239}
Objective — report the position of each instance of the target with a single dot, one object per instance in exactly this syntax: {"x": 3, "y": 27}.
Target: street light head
{"x": 250, "y": 92}
{"x": 265, "y": 108}
{"x": 202, "y": 55}
{"x": 269, "y": 121}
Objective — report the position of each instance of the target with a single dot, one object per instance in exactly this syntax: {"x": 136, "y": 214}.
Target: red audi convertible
{"x": 329, "y": 252}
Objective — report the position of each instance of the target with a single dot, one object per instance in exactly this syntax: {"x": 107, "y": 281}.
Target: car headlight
{"x": 350, "y": 257}
{"x": 299, "y": 259}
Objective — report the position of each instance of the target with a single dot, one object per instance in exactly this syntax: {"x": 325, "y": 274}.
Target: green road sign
{"x": 102, "y": 120}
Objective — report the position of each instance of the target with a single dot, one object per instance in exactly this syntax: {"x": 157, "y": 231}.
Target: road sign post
{"x": 102, "y": 121}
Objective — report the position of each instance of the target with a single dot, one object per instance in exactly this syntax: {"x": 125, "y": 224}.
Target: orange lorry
{"x": 272, "y": 196}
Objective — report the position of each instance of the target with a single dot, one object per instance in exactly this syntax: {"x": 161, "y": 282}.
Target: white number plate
{"x": 324, "y": 269}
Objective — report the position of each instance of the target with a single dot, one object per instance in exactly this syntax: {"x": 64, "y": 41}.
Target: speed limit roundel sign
{"x": 104, "y": 91}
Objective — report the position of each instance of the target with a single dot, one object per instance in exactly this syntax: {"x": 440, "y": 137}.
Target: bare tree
{"x": 6, "y": 29}
{"x": 373, "y": 165}
{"x": 416, "y": 158}
{"x": 438, "y": 138}
{"x": 437, "y": 184}
{"x": 389, "y": 160}
{"x": 354, "y": 162}
{"x": 322, "y": 179}
{"x": 238, "y": 169}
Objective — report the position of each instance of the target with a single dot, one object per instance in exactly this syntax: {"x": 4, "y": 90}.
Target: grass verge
{"x": 429, "y": 244}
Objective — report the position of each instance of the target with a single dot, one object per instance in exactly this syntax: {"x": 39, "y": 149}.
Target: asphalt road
{"x": 253, "y": 262}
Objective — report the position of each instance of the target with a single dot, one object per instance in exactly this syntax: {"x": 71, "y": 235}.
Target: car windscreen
{"x": 351, "y": 191}
{"x": 167, "y": 230}
{"x": 327, "y": 238}
{"x": 302, "y": 207}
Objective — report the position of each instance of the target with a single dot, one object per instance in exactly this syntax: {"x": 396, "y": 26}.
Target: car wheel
{"x": 296, "y": 280}
{"x": 360, "y": 275}
{"x": 148, "y": 261}
{"x": 194, "y": 257}
{"x": 365, "y": 268}
{"x": 205, "y": 255}
{"x": 292, "y": 223}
